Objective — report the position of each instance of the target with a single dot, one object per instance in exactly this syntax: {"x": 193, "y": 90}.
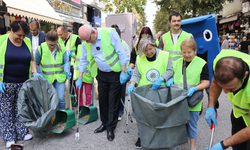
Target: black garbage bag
{"x": 37, "y": 104}
{"x": 161, "y": 115}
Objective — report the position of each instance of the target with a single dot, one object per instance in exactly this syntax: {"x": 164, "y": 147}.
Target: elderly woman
{"x": 144, "y": 31}
{"x": 54, "y": 64}
{"x": 153, "y": 66}
{"x": 16, "y": 66}
{"x": 197, "y": 77}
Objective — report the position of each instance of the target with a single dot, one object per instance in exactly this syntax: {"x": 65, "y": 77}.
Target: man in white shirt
{"x": 36, "y": 37}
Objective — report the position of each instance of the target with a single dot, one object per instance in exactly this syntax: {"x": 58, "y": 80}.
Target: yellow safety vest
{"x": 152, "y": 70}
{"x": 87, "y": 75}
{"x": 3, "y": 46}
{"x": 52, "y": 69}
{"x": 108, "y": 50}
{"x": 71, "y": 47}
{"x": 193, "y": 72}
{"x": 241, "y": 100}
{"x": 174, "y": 50}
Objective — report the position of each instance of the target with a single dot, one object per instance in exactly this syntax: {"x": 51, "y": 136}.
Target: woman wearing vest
{"x": 16, "y": 66}
{"x": 144, "y": 31}
{"x": 150, "y": 62}
{"x": 54, "y": 64}
{"x": 197, "y": 78}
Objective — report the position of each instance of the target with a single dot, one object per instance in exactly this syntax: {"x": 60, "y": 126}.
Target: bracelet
{"x": 222, "y": 145}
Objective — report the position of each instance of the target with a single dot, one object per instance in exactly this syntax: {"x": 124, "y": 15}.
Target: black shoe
{"x": 110, "y": 135}
{"x": 100, "y": 129}
{"x": 138, "y": 143}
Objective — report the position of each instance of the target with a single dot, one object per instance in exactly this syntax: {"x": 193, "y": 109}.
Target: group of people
{"x": 101, "y": 53}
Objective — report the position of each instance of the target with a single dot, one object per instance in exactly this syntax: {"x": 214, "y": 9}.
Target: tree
{"x": 134, "y": 6}
{"x": 187, "y": 8}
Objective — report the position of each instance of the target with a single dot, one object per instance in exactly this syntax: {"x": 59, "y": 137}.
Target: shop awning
{"x": 81, "y": 21}
{"x": 39, "y": 9}
{"x": 229, "y": 19}
{"x": 66, "y": 17}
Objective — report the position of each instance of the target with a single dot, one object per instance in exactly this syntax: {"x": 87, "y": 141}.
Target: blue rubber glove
{"x": 123, "y": 78}
{"x": 70, "y": 54}
{"x": 211, "y": 116}
{"x": 68, "y": 74}
{"x": 217, "y": 146}
{"x": 169, "y": 82}
{"x": 130, "y": 88}
{"x": 157, "y": 83}
{"x": 130, "y": 71}
{"x": 2, "y": 87}
{"x": 37, "y": 74}
{"x": 79, "y": 83}
{"x": 191, "y": 91}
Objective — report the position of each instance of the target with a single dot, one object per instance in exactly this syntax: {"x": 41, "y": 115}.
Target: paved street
{"x": 90, "y": 141}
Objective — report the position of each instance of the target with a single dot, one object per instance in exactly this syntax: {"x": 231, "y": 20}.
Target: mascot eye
{"x": 207, "y": 34}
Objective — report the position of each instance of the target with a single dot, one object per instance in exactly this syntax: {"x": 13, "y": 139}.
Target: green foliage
{"x": 187, "y": 8}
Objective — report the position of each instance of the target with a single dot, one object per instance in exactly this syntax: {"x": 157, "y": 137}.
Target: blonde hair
{"x": 189, "y": 43}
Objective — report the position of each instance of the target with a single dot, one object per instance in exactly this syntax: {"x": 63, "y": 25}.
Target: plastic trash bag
{"x": 161, "y": 115}
{"x": 37, "y": 104}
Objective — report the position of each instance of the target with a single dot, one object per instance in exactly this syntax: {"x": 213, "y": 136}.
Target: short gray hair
{"x": 148, "y": 39}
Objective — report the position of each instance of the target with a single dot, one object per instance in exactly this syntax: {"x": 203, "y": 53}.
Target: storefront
{"x": 70, "y": 12}
{"x": 29, "y": 10}
{"x": 232, "y": 24}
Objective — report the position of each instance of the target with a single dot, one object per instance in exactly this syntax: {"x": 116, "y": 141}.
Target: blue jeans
{"x": 60, "y": 88}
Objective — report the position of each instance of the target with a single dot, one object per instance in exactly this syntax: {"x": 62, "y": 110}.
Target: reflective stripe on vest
{"x": 240, "y": 100}
{"x": 1, "y": 67}
{"x": 52, "y": 72}
{"x": 193, "y": 72}
{"x": 108, "y": 50}
{"x": 156, "y": 68}
{"x": 175, "y": 50}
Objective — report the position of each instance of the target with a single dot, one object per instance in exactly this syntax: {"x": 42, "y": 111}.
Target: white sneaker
{"x": 119, "y": 118}
{"x": 27, "y": 137}
{"x": 8, "y": 144}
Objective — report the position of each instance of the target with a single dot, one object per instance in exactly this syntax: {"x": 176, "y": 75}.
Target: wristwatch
{"x": 123, "y": 71}
{"x": 222, "y": 145}
{"x": 33, "y": 72}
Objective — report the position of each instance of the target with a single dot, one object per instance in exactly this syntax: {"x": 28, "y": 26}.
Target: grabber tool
{"x": 212, "y": 133}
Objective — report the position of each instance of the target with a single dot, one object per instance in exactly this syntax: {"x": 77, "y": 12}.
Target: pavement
{"x": 126, "y": 141}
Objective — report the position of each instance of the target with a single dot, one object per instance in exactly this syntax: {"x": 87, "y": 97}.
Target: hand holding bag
{"x": 197, "y": 96}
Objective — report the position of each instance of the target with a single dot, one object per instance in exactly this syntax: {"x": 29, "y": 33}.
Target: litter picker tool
{"x": 128, "y": 116}
{"x": 212, "y": 133}
{"x": 77, "y": 123}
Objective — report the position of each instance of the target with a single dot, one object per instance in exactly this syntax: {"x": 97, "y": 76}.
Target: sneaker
{"x": 27, "y": 137}
{"x": 138, "y": 143}
{"x": 8, "y": 144}
{"x": 119, "y": 118}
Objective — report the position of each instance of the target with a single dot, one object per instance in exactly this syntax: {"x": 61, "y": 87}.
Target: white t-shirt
{"x": 35, "y": 43}
{"x": 175, "y": 37}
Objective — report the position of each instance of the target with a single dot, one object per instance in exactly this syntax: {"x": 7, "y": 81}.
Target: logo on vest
{"x": 152, "y": 75}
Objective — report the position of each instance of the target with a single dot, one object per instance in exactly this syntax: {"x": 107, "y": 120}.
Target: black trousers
{"x": 237, "y": 125}
{"x": 109, "y": 88}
